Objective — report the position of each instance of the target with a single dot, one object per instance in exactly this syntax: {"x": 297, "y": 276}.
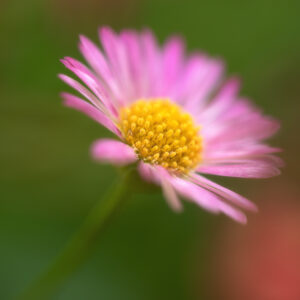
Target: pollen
{"x": 162, "y": 133}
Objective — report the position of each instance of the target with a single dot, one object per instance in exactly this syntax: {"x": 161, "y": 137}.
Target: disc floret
{"x": 162, "y": 133}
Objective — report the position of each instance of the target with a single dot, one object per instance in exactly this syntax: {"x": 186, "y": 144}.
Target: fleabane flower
{"x": 175, "y": 115}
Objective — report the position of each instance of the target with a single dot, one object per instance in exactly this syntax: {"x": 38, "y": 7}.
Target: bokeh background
{"x": 48, "y": 182}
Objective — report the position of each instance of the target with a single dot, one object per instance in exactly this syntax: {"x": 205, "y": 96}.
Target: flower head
{"x": 173, "y": 114}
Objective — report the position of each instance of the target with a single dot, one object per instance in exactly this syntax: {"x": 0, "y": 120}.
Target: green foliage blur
{"x": 48, "y": 182}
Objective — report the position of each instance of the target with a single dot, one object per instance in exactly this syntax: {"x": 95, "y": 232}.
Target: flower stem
{"x": 80, "y": 246}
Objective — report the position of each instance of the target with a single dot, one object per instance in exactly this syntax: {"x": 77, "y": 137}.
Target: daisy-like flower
{"x": 174, "y": 114}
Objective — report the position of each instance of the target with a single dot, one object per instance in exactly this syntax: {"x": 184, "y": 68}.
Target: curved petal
{"x": 224, "y": 192}
{"x": 160, "y": 176}
{"x": 191, "y": 191}
{"x": 82, "y": 90}
{"x": 114, "y": 152}
{"x": 91, "y": 81}
{"x": 168, "y": 189}
{"x": 91, "y": 111}
{"x": 95, "y": 58}
{"x": 147, "y": 172}
{"x": 98, "y": 62}
{"x": 207, "y": 199}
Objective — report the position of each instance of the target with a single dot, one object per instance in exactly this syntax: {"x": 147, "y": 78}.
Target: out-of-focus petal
{"x": 82, "y": 90}
{"x": 200, "y": 196}
{"x": 210, "y": 81}
{"x": 207, "y": 199}
{"x": 114, "y": 152}
{"x": 92, "y": 82}
{"x": 132, "y": 52}
{"x": 160, "y": 176}
{"x": 221, "y": 102}
{"x": 172, "y": 63}
{"x": 98, "y": 62}
{"x": 148, "y": 173}
{"x": 168, "y": 189}
{"x": 240, "y": 123}
{"x": 91, "y": 111}
{"x": 153, "y": 63}
{"x": 224, "y": 192}
{"x": 251, "y": 169}
{"x": 116, "y": 54}
{"x": 239, "y": 151}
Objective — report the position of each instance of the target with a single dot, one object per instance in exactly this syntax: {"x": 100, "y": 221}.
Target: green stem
{"x": 78, "y": 248}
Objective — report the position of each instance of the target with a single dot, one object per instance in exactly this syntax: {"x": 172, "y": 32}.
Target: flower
{"x": 173, "y": 114}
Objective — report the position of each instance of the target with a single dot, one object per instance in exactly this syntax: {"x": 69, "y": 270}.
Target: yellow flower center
{"x": 162, "y": 133}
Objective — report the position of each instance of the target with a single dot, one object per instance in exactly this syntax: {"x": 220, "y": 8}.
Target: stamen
{"x": 162, "y": 133}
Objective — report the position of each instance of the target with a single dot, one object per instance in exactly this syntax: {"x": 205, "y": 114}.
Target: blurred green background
{"x": 48, "y": 183}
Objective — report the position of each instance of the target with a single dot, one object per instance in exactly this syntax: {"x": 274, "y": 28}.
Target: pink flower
{"x": 175, "y": 115}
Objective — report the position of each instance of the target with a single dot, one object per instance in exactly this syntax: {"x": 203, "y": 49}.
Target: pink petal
{"x": 92, "y": 82}
{"x": 207, "y": 200}
{"x": 209, "y": 82}
{"x": 95, "y": 58}
{"x": 192, "y": 74}
{"x": 160, "y": 176}
{"x": 113, "y": 152}
{"x": 153, "y": 63}
{"x": 172, "y": 63}
{"x": 224, "y": 99}
{"x": 200, "y": 196}
{"x": 238, "y": 151}
{"x": 168, "y": 190}
{"x": 266, "y": 161}
{"x": 82, "y": 90}
{"x": 241, "y": 122}
{"x": 91, "y": 111}
{"x": 98, "y": 62}
{"x": 253, "y": 169}
{"x": 136, "y": 56}
{"x": 115, "y": 51}
{"x": 233, "y": 213}
{"x": 148, "y": 173}
{"x": 224, "y": 192}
